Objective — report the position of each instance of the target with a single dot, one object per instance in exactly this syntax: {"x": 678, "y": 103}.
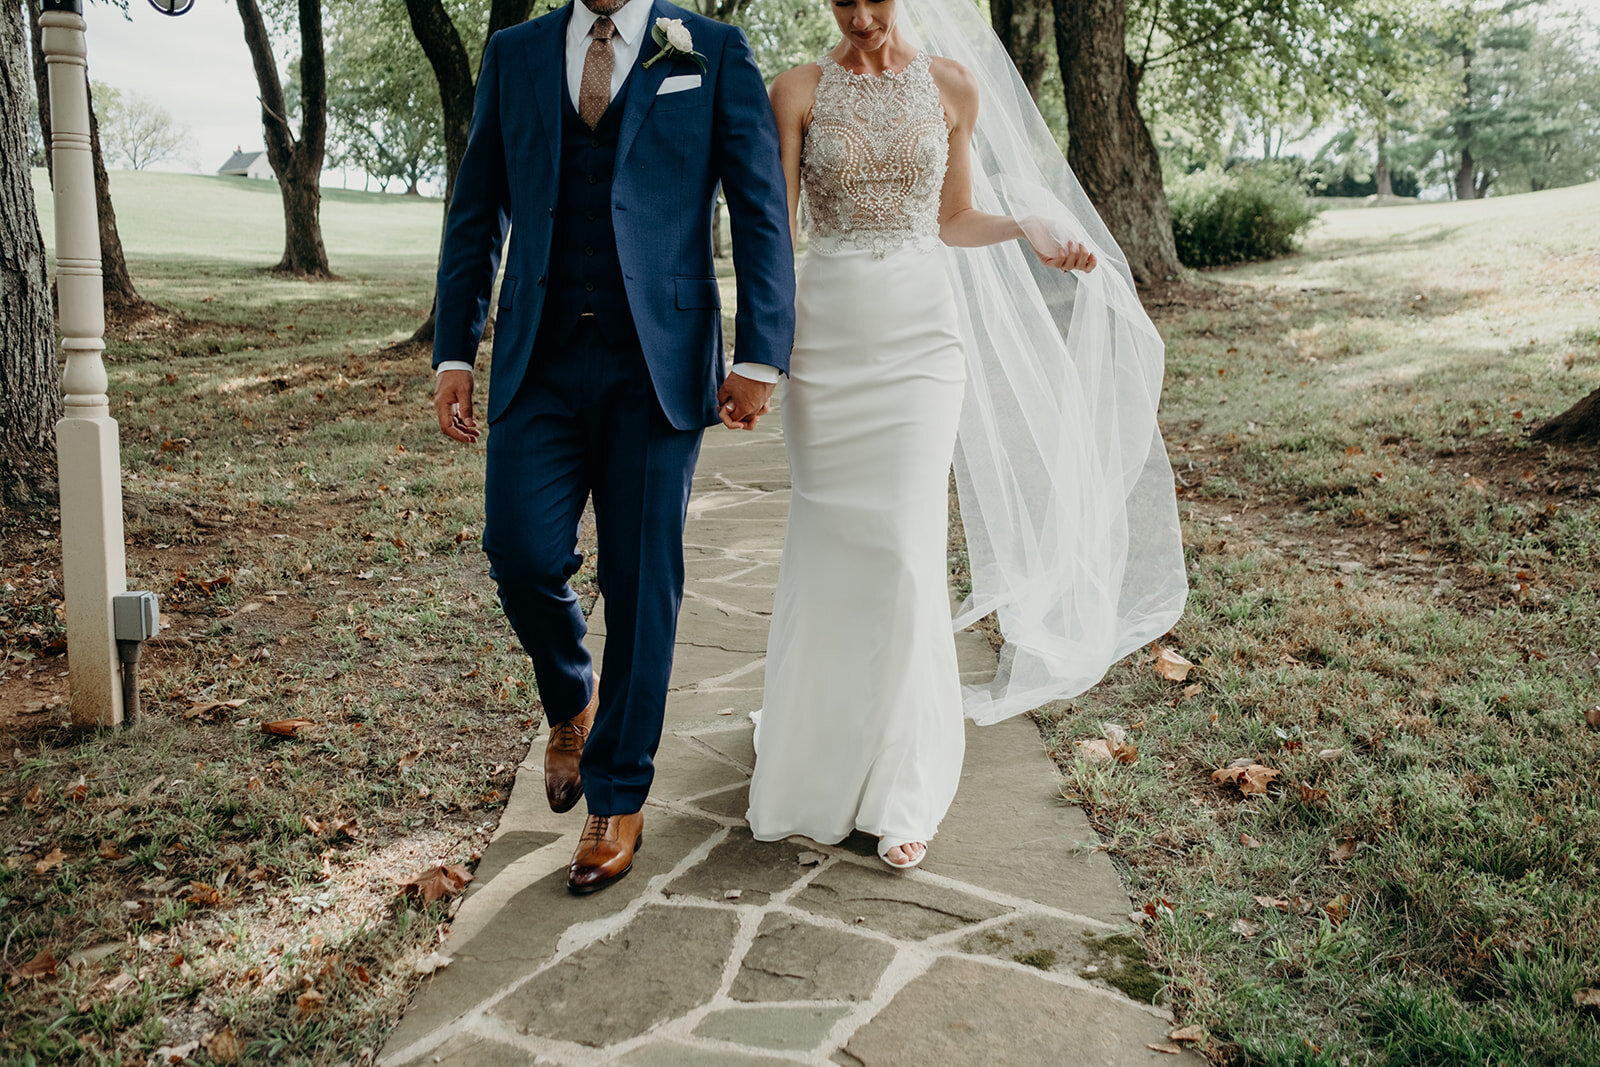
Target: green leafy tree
{"x": 383, "y": 101}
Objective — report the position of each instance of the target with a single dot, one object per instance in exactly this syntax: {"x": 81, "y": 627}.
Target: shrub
{"x": 1236, "y": 217}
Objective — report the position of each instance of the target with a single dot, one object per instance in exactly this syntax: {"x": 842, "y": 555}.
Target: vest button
{"x": 590, "y": 216}
{"x": 592, "y": 179}
{"x": 541, "y": 280}
{"x": 552, "y": 212}
{"x": 595, "y": 143}
{"x": 588, "y": 251}
{"x": 588, "y": 287}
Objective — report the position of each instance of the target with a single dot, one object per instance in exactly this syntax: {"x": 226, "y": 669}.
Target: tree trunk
{"x": 1381, "y": 171}
{"x": 1109, "y": 145}
{"x": 1578, "y": 424}
{"x": 120, "y": 293}
{"x": 1466, "y": 177}
{"x": 30, "y": 391}
{"x": 441, "y": 43}
{"x": 1024, "y": 27}
{"x": 297, "y": 163}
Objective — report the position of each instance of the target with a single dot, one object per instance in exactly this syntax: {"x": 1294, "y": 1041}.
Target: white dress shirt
{"x": 631, "y": 24}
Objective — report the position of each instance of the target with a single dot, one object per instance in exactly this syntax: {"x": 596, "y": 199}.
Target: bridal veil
{"x": 1066, "y": 492}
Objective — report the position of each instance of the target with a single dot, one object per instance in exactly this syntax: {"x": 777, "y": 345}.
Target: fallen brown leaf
{"x": 1095, "y": 750}
{"x": 110, "y": 851}
{"x": 436, "y": 883}
{"x": 1273, "y": 902}
{"x": 54, "y": 859}
{"x": 1592, "y": 716}
{"x": 77, "y": 790}
{"x": 286, "y": 727}
{"x": 1251, "y": 778}
{"x": 223, "y": 1046}
{"x": 1189, "y": 1034}
{"x": 1170, "y": 1050}
{"x": 1344, "y": 850}
{"x": 201, "y": 894}
{"x": 1245, "y": 928}
{"x": 1316, "y": 798}
{"x": 33, "y": 797}
{"x": 41, "y": 966}
{"x": 1587, "y": 1000}
{"x": 310, "y": 1001}
{"x": 1171, "y": 665}
{"x": 1338, "y": 909}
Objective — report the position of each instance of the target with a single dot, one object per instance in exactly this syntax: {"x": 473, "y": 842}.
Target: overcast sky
{"x": 197, "y": 67}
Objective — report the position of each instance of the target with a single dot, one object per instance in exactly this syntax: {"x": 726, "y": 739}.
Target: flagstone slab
{"x": 965, "y": 1012}
{"x": 510, "y": 847}
{"x": 1009, "y": 831}
{"x": 473, "y": 1050}
{"x": 676, "y": 1054}
{"x": 683, "y": 770}
{"x": 738, "y": 745}
{"x": 524, "y": 927}
{"x": 1114, "y": 960}
{"x": 787, "y": 1029}
{"x": 731, "y": 803}
{"x": 754, "y": 869}
{"x": 734, "y": 628}
{"x": 601, "y": 995}
{"x": 792, "y": 959}
{"x": 901, "y": 907}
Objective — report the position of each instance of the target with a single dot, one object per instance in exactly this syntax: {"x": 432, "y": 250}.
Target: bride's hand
{"x": 1052, "y": 252}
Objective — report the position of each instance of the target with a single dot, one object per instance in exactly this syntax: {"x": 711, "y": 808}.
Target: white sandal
{"x": 885, "y": 844}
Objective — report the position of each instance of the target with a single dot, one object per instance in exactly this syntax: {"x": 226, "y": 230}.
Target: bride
{"x": 885, "y": 154}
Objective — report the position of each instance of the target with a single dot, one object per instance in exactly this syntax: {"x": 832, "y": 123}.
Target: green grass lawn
{"x": 1394, "y": 605}
{"x": 208, "y": 217}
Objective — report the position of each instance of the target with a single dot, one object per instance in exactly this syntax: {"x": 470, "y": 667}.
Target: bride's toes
{"x": 907, "y": 855}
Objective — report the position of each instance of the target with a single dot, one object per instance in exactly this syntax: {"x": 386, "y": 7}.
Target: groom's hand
{"x": 742, "y": 401}
{"x": 452, "y": 402}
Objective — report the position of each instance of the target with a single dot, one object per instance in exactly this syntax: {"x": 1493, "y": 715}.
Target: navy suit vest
{"x": 585, "y": 273}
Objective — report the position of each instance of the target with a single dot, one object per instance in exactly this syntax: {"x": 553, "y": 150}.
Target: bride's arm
{"x": 792, "y": 94}
{"x": 960, "y": 224}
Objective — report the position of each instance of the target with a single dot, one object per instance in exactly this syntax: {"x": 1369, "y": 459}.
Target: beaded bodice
{"x": 874, "y": 157}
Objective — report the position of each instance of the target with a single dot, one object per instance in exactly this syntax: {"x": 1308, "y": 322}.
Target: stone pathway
{"x": 1010, "y": 945}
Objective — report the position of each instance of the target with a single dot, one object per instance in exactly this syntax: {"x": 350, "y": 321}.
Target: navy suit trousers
{"x": 585, "y": 420}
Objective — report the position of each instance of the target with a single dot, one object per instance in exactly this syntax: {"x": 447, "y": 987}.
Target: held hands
{"x": 1051, "y": 250}
{"x": 452, "y": 402}
{"x": 742, "y": 401}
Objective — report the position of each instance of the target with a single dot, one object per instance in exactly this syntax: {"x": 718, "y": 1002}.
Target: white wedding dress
{"x": 861, "y": 728}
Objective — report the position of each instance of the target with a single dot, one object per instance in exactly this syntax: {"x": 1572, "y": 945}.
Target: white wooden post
{"x": 92, "y": 559}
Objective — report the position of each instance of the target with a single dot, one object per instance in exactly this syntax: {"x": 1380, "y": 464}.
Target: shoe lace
{"x": 597, "y": 828}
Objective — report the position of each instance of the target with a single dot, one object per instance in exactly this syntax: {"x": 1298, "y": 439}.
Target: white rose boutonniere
{"x": 675, "y": 41}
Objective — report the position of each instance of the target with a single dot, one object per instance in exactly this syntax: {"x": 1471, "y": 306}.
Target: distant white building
{"x": 248, "y": 165}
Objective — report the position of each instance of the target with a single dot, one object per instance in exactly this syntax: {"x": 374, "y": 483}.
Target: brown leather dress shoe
{"x": 605, "y": 852}
{"x": 563, "y": 784}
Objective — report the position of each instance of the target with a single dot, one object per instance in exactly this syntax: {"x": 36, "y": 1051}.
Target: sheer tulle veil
{"x": 1066, "y": 492}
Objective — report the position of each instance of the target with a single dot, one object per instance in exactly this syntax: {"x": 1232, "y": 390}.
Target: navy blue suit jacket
{"x": 671, "y": 153}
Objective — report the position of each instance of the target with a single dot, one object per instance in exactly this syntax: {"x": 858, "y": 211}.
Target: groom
{"x": 600, "y": 139}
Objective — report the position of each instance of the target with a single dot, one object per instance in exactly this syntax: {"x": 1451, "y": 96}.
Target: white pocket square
{"x": 678, "y": 83}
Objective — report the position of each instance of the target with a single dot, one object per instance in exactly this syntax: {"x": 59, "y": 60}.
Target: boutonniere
{"x": 675, "y": 41}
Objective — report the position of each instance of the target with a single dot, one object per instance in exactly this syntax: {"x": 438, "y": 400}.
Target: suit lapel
{"x": 549, "y": 72}
{"x": 642, "y": 84}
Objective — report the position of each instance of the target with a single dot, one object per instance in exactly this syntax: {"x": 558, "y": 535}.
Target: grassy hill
{"x": 199, "y": 216}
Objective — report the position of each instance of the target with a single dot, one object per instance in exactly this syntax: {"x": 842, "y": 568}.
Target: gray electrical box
{"x": 135, "y": 616}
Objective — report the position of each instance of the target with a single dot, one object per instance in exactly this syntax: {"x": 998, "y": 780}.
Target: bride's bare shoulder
{"x": 956, "y": 85}
{"x": 797, "y": 85}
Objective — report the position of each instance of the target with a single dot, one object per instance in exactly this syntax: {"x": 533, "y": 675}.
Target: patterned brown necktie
{"x": 594, "y": 92}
